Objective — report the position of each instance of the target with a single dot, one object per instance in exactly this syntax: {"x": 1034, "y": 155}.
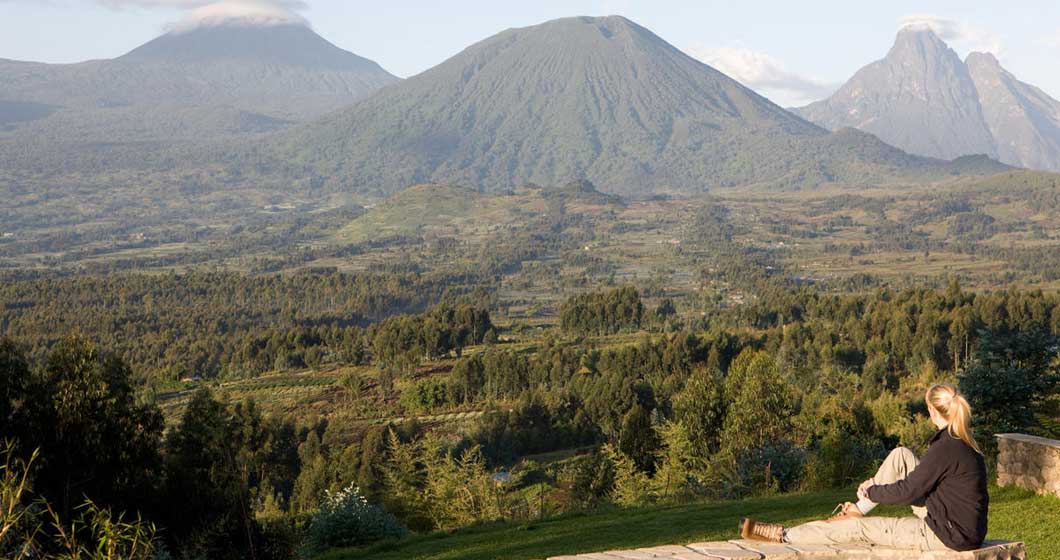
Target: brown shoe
{"x": 843, "y": 511}
{"x": 758, "y": 531}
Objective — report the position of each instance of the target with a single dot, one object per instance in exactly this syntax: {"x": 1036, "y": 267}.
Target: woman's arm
{"x": 913, "y": 488}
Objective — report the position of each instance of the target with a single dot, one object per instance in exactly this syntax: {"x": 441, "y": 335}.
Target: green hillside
{"x": 434, "y": 211}
{"x": 1015, "y": 515}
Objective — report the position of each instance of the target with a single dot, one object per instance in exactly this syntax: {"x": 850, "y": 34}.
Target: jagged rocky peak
{"x": 1024, "y": 120}
{"x": 920, "y": 97}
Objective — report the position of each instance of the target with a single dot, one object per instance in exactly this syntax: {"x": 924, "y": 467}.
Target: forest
{"x": 618, "y": 405}
{"x": 452, "y": 358}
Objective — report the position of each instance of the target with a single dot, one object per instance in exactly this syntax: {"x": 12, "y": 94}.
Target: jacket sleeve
{"x": 913, "y": 488}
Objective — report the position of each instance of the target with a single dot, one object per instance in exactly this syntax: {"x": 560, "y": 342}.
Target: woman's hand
{"x": 863, "y": 489}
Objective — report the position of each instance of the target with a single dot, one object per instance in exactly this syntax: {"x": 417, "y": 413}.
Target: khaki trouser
{"x": 897, "y": 532}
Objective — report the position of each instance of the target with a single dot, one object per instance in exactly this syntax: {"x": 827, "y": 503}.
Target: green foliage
{"x": 431, "y": 486}
{"x": 93, "y": 533}
{"x": 761, "y": 407}
{"x": 1011, "y": 378}
{"x": 700, "y": 410}
{"x": 96, "y": 439}
{"x": 638, "y": 440}
{"x": 218, "y": 459}
{"x": 427, "y": 395}
{"x": 591, "y": 478}
{"x": 435, "y": 333}
{"x": 19, "y": 525}
{"x": 346, "y": 518}
{"x": 96, "y": 534}
{"x": 603, "y": 313}
{"x": 681, "y": 468}
{"x": 208, "y": 324}
{"x": 632, "y": 486}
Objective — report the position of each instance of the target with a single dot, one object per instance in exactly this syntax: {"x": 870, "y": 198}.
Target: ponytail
{"x": 948, "y": 402}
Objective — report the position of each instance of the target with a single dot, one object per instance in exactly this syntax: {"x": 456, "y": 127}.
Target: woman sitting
{"x": 947, "y": 490}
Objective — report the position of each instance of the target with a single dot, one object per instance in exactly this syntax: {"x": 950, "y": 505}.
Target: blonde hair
{"x": 952, "y": 406}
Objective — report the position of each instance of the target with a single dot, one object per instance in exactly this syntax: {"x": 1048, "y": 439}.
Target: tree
{"x": 1010, "y": 380}
{"x": 404, "y": 478}
{"x": 762, "y": 405}
{"x": 632, "y": 486}
{"x": 700, "y": 408}
{"x": 637, "y": 438}
{"x": 679, "y": 465}
{"x": 218, "y": 459}
{"x": 94, "y": 533}
{"x": 204, "y": 486}
{"x": 14, "y": 385}
{"x": 96, "y": 441}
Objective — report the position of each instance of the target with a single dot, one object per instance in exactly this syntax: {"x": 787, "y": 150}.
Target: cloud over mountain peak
{"x": 206, "y": 13}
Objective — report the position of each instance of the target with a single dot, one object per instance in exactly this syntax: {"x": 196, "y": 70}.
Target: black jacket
{"x": 951, "y": 481}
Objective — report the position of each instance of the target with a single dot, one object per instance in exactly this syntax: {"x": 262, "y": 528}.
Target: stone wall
{"x": 1030, "y": 462}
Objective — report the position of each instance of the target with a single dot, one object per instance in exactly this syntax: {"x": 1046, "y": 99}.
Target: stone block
{"x": 813, "y": 550}
{"x": 852, "y": 551}
{"x": 631, "y": 554}
{"x": 690, "y": 555}
{"x": 885, "y": 553}
{"x": 714, "y": 545}
{"x": 769, "y": 550}
{"x": 666, "y": 550}
{"x": 999, "y": 550}
{"x": 728, "y": 554}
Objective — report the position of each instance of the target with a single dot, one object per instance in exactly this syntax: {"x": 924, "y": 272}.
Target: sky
{"x": 791, "y": 52}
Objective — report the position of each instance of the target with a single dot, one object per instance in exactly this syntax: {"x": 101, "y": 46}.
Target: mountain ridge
{"x": 599, "y": 98}
{"x": 1024, "y": 120}
{"x": 919, "y": 97}
{"x": 923, "y": 98}
{"x": 283, "y": 73}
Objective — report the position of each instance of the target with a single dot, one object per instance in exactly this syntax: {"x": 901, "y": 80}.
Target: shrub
{"x": 592, "y": 478}
{"x": 347, "y": 519}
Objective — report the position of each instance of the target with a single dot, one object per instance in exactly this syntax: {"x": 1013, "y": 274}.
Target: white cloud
{"x": 198, "y": 13}
{"x": 763, "y": 73}
{"x": 960, "y": 35}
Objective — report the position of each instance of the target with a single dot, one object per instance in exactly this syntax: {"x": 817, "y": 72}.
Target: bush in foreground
{"x": 347, "y": 519}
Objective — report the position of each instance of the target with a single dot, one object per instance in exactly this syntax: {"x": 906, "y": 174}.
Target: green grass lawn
{"x": 1014, "y": 515}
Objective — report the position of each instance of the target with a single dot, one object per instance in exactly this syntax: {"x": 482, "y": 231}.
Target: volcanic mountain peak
{"x": 287, "y": 44}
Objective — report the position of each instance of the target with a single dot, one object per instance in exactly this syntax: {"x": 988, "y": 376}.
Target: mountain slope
{"x": 1024, "y": 120}
{"x": 282, "y": 73}
{"x": 601, "y": 98}
{"x": 920, "y": 98}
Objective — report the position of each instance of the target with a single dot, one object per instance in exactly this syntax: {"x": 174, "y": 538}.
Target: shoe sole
{"x": 745, "y": 528}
